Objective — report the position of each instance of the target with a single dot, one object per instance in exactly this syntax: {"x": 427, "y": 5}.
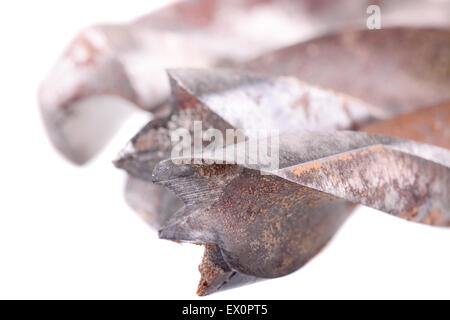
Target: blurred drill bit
{"x": 109, "y": 69}
{"x": 399, "y": 68}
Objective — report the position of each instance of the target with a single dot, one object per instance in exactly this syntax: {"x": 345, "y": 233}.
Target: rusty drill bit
{"x": 112, "y": 68}
{"x": 213, "y": 91}
{"x": 266, "y": 226}
{"x": 224, "y": 99}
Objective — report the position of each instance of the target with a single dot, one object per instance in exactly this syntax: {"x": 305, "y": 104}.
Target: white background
{"x": 65, "y": 231}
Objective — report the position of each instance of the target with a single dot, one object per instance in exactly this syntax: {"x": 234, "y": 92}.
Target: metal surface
{"x": 267, "y": 226}
{"x": 430, "y": 125}
{"x": 224, "y": 99}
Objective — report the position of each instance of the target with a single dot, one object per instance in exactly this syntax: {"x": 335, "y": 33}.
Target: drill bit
{"x": 285, "y": 217}
{"x": 217, "y": 97}
{"x": 109, "y": 69}
{"x": 225, "y": 99}
{"x": 267, "y": 226}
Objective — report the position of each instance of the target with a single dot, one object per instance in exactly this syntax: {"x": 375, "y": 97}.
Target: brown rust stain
{"x": 409, "y": 215}
{"x": 429, "y": 125}
{"x": 434, "y": 218}
{"x": 313, "y": 166}
{"x": 375, "y": 148}
{"x": 212, "y": 170}
{"x": 347, "y": 156}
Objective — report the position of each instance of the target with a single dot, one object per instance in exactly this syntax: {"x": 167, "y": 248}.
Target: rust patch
{"x": 82, "y": 51}
{"x": 430, "y": 125}
{"x": 313, "y": 166}
{"x": 434, "y": 218}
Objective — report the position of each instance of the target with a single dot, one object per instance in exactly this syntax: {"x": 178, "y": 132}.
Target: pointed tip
{"x": 182, "y": 231}
{"x": 214, "y": 271}
{"x": 177, "y": 228}
{"x": 128, "y": 153}
{"x": 186, "y": 225}
{"x": 204, "y": 289}
{"x": 169, "y": 232}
